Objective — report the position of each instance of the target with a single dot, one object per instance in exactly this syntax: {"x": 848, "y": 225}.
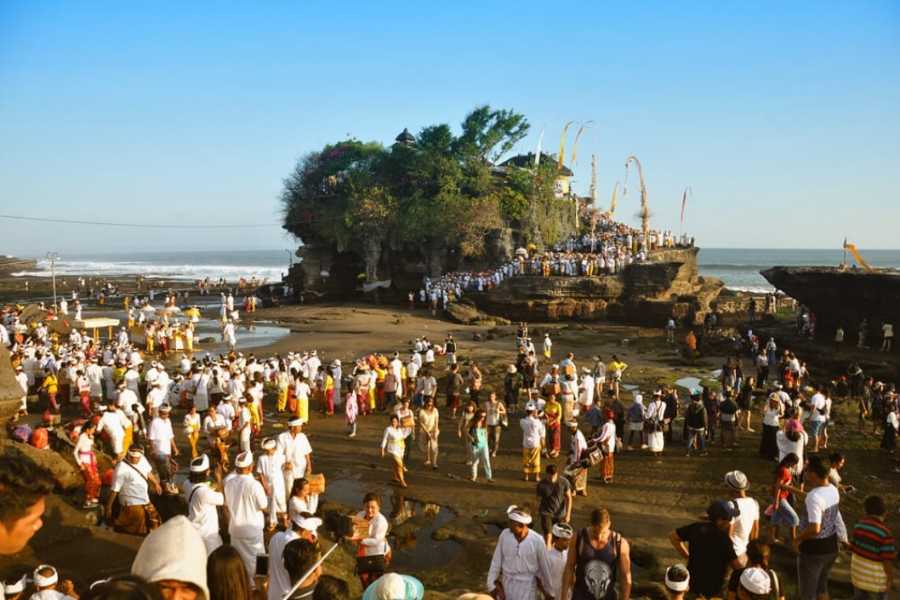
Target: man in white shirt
{"x": 245, "y": 426}
{"x": 294, "y": 447}
{"x": 131, "y": 481}
{"x": 557, "y": 556}
{"x": 302, "y": 527}
{"x": 744, "y": 526}
{"x": 114, "y": 423}
{"x": 133, "y": 380}
{"x": 270, "y": 471}
{"x": 22, "y": 380}
{"x": 586, "y": 390}
{"x": 202, "y": 500}
{"x": 95, "y": 379}
{"x": 279, "y": 580}
{"x": 821, "y": 529}
{"x": 246, "y": 501}
{"x": 519, "y": 560}
{"x": 818, "y": 418}
{"x": 162, "y": 440}
{"x": 533, "y": 435}
{"x": 156, "y": 397}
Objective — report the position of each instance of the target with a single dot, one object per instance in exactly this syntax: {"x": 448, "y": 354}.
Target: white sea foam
{"x": 186, "y": 272}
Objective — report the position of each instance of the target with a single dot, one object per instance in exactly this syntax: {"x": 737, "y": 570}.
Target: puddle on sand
{"x": 413, "y": 524}
{"x": 688, "y": 383}
{"x": 416, "y": 549}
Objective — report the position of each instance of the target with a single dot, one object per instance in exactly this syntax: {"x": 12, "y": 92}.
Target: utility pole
{"x": 53, "y": 257}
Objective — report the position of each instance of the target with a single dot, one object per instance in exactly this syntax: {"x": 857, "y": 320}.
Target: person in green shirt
{"x": 477, "y": 435}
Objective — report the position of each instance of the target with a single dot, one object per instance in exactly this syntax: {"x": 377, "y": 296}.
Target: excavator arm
{"x": 859, "y": 259}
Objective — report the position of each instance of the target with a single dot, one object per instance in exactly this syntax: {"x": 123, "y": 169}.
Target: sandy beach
{"x": 451, "y": 551}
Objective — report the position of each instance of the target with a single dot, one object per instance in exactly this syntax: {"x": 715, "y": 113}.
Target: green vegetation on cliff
{"x": 431, "y": 197}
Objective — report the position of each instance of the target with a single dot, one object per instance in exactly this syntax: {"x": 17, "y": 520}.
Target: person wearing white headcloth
{"x": 46, "y": 580}
{"x": 246, "y": 501}
{"x": 558, "y": 555}
{"x": 12, "y": 590}
{"x": 635, "y": 417}
{"x": 654, "y": 417}
{"x": 174, "y": 558}
{"x": 755, "y": 583}
{"x": 301, "y": 527}
{"x": 519, "y": 561}
{"x": 678, "y": 581}
{"x": 533, "y": 435}
{"x": 269, "y": 467}
{"x": 203, "y": 501}
{"x": 245, "y": 424}
{"x": 294, "y": 447}
{"x": 131, "y": 483}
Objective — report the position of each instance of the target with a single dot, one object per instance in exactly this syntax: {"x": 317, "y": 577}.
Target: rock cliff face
{"x": 842, "y": 298}
{"x": 646, "y": 293}
{"x": 10, "y": 392}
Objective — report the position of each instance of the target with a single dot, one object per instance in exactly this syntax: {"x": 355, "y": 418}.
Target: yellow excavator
{"x": 859, "y": 259}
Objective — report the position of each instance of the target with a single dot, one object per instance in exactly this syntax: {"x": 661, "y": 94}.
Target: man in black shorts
{"x": 554, "y": 500}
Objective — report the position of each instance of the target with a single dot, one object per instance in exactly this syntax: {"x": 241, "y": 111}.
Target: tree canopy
{"x": 442, "y": 191}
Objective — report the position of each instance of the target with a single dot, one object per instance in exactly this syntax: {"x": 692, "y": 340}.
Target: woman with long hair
{"x": 302, "y": 499}
{"x": 393, "y": 443}
{"x": 429, "y": 431}
{"x": 283, "y": 382}
{"x": 87, "y": 461}
{"x": 478, "y": 439}
{"x": 226, "y": 576}
{"x": 772, "y": 413}
{"x": 781, "y": 512}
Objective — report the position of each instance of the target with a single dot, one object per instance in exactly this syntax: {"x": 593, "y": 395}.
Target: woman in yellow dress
{"x": 283, "y": 380}
{"x": 189, "y": 338}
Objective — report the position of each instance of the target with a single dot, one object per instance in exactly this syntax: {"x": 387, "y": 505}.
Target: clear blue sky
{"x": 785, "y": 119}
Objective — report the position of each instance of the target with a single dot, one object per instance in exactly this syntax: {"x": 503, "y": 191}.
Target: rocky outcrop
{"x": 842, "y": 297}
{"x": 10, "y": 392}
{"x": 11, "y": 264}
{"x": 467, "y": 314}
{"x": 645, "y": 293}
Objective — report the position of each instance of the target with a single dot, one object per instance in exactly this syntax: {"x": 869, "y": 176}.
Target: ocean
{"x": 738, "y": 268}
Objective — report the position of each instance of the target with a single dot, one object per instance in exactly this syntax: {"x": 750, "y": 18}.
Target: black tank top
{"x": 595, "y": 570}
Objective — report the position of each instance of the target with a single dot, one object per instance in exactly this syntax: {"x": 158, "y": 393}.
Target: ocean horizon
{"x": 738, "y": 268}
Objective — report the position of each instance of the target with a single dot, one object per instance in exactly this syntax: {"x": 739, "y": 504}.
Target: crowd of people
{"x": 568, "y": 420}
{"x": 608, "y": 250}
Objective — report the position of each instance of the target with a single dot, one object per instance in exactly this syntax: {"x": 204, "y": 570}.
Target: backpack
{"x": 22, "y": 433}
{"x": 635, "y": 413}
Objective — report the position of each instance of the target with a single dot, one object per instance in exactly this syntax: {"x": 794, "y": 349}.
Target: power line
{"x": 139, "y": 225}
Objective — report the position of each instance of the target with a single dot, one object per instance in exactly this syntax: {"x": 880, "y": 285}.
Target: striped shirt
{"x": 872, "y": 545}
